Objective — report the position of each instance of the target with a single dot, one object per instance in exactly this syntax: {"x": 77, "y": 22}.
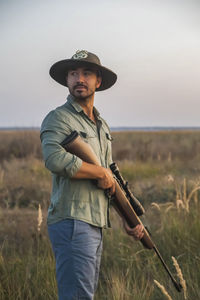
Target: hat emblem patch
{"x": 80, "y": 54}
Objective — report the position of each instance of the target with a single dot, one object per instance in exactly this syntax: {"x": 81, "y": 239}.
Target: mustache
{"x": 79, "y": 85}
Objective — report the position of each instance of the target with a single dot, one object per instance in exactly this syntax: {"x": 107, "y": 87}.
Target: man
{"x": 79, "y": 208}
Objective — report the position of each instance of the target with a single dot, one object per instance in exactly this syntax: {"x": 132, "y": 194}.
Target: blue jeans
{"x": 77, "y": 247}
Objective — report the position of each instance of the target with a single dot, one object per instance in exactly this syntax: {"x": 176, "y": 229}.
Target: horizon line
{"x": 112, "y": 128}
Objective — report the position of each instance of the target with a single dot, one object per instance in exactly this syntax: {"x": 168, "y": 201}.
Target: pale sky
{"x": 152, "y": 45}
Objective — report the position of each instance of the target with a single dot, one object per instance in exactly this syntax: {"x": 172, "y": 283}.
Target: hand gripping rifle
{"x": 124, "y": 202}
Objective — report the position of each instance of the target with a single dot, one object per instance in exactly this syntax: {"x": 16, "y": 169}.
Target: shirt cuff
{"x": 76, "y": 165}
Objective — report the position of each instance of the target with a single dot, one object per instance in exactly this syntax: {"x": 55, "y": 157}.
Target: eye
{"x": 73, "y": 73}
{"x": 87, "y": 73}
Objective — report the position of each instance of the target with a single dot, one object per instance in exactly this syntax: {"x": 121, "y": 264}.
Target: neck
{"x": 87, "y": 104}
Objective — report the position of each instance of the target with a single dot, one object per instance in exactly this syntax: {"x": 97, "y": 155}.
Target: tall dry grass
{"x": 19, "y": 144}
{"x": 158, "y": 171}
{"x": 128, "y": 271}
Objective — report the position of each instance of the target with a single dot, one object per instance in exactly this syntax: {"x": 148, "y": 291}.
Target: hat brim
{"x": 60, "y": 69}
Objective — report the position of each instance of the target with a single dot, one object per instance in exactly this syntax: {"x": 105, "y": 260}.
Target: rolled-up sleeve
{"x": 54, "y": 130}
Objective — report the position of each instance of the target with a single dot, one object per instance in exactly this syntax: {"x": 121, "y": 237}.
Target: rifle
{"x": 125, "y": 203}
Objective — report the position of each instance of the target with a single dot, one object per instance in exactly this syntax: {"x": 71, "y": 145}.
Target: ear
{"x": 99, "y": 80}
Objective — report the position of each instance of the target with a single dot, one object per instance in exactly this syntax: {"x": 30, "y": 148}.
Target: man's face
{"x": 82, "y": 82}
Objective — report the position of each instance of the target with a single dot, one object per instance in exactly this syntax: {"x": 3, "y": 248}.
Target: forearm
{"x": 89, "y": 171}
{"x": 103, "y": 176}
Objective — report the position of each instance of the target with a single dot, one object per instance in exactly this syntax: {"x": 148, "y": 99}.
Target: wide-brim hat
{"x": 81, "y": 58}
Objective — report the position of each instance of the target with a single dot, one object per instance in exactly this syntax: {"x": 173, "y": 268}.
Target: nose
{"x": 80, "y": 77}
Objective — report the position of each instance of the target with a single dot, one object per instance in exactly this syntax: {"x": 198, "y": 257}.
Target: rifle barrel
{"x": 124, "y": 200}
{"x": 177, "y": 285}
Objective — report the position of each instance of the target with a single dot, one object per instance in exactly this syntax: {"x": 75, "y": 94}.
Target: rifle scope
{"x": 137, "y": 206}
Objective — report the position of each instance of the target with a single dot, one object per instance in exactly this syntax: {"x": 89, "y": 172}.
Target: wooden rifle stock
{"x": 76, "y": 145}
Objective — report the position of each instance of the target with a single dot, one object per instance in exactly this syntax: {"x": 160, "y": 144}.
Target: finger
{"x": 137, "y": 231}
{"x": 112, "y": 189}
{"x": 139, "y": 235}
{"x": 139, "y": 228}
{"x": 129, "y": 230}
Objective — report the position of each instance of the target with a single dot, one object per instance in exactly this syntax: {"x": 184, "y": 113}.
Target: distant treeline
{"x": 128, "y": 145}
{"x": 19, "y": 144}
{"x": 159, "y": 145}
{"x": 119, "y": 128}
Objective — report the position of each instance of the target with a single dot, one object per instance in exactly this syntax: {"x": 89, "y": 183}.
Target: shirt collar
{"x": 71, "y": 100}
{"x": 96, "y": 113}
{"x": 76, "y": 106}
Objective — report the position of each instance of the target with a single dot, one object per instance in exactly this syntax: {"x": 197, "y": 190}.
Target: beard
{"x": 81, "y": 92}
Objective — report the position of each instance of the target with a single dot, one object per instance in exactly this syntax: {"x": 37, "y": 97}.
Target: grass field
{"x": 164, "y": 173}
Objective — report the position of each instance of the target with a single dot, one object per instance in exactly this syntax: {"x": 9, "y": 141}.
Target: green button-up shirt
{"x": 75, "y": 198}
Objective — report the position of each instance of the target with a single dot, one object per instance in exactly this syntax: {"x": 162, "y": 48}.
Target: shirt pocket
{"x": 91, "y": 139}
{"x": 109, "y": 137}
{"x": 87, "y": 136}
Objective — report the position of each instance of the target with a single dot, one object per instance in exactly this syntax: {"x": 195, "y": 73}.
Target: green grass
{"x": 161, "y": 167}
{"x": 134, "y": 268}
{"x": 27, "y": 268}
